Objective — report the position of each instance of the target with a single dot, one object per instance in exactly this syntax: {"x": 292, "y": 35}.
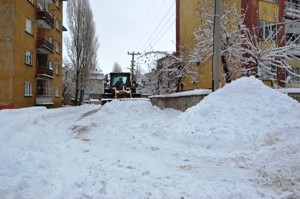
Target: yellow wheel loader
{"x": 119, "y": 86}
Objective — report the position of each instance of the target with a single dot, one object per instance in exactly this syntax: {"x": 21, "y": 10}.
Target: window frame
{"x": 265, "y": 28}
{"x": 57, "y": 25}
{"x": 296, "y": 70}
{"x": 57, "y": 69}
{"x": 50, "y": 39}
{"x": 57, "y": 91}
{"x": 50, "y": 65}
{"x": 57, "y": 47}
{"x": 28, "y": 89}
{"x": 29, "y": 26}
{"x": 28, "y": 57}
{"x": 57, "y": 3}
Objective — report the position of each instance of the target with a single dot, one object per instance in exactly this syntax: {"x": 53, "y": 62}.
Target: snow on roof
{"x": 289, "y": 90}
{"x": 184, "y": 93}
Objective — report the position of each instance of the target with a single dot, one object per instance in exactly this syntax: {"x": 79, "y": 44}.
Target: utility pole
{"x": 217, "y": 47}
{"x": 132, "y": 64}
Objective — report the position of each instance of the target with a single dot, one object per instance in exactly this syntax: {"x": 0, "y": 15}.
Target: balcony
{"x": 44, "y": 91}
{"x": 44, "y": 100}
{"x": 292, "y": 10}
{"x": 44, "y": 46}
{"x": 43, "y": 72}
{"x": 44, "y": 19}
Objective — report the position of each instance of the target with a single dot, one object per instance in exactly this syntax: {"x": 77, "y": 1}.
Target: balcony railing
{"x": 43, "y": 71}
{"x": 44, "y": 46}
{"x": 45, "y": 19}
{"x": 292, "y": 10}
{"x": 44, "y": 100}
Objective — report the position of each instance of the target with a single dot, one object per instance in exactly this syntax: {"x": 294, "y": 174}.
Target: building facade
{"x": 259, "y": 14}
{"x": 96, "y": 84}
{"x": 31, "y": 53}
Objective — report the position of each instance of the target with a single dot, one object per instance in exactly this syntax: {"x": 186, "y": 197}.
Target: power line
{"x": 164, "y": 33}
{"x": 142, "y": 25}
{"x": 157, "y": 27}
{"x": 154, "y": 18}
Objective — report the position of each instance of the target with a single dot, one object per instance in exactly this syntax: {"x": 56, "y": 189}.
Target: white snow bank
{"x": 256, "y": 127}
{"x": 240, "y": 142}
{"x": 246, "y": 105}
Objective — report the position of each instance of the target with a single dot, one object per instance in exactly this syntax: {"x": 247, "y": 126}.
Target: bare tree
{"x": 267, "y": 55}
{"x": 168, "y": 74}
{"x": 68, "y": 80}
{"x": 82, "y": 45}
{"x": 232, "y": 39}
{"x": 117, "y": 68}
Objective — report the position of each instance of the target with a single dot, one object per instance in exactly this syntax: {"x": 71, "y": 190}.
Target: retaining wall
{"x": 179, "y": 101}
{"x": 185, "y": 100}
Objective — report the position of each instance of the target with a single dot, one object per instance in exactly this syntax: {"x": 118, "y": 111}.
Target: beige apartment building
{"x": 31, "y": 53}
{"x": 260, "y": 14}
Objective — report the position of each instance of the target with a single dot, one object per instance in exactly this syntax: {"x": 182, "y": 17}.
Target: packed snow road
{"x": 240, "y": 142}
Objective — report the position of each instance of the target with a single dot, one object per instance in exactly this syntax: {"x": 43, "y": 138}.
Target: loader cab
{"x": 118, "y": 80}
{"x": 119, "y": 86}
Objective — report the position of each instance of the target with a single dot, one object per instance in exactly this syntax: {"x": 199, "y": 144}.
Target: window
{"x": 57, "y": 3}
{"x": 296, "y": 75}
{"x": 50, "y": 65}
{"x": 297, "y": 71}
{"x": 28, "y": 57}
{"x": 292, "y": 38}
{"x": 28, "y": 89}
{"x": 57, "y": 69}
{"x": 57, "y": 91}
{"x": 57, "y": 25}
{"x": 50, "y": 40}
{"x": 29, "y": 26}
{"x": 44, "y": 87}
{"x": 57, "y": 47}
{"x": 267, "y": 30}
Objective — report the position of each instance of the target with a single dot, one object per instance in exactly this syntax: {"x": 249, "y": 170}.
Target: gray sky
{"x": 132, "y": 25}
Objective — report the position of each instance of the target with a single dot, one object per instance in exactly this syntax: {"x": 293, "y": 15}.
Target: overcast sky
{"x": 132, "y": 25}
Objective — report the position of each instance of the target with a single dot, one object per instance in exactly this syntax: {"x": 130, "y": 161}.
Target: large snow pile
{"x": 239, "y": 142}
{"x": 255, "y": 127}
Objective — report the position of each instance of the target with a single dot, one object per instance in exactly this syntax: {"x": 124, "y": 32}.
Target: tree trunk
{"x": 179, "y": 84}
{"x": 76, "y": 89}
{"x": 81, "y": 97}
{"x": 226, "y": 69}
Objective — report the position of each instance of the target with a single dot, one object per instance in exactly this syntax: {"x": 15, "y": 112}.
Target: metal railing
{"x": 292, "y": 10}
{"x": 46, "y": 16}
{"x": 43, "y": 100}
{"x": 44, "y": 43}
{"x": 44, "y": 71}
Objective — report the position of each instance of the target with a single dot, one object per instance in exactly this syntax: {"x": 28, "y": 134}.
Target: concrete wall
{"x": 295, "y": 96}
{"x": 179, "y": 103}
{"x": 182, "y": 103}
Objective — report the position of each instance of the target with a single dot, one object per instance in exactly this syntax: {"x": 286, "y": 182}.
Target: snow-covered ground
{"x": 242, "y": 141}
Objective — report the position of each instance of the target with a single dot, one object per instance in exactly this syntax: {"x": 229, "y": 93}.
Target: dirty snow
{"x": 241, "y": 141}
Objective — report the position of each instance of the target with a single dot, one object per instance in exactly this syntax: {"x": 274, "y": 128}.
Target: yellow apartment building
{"x": 258, "y": 14}
{"x": 31, "y": 53}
